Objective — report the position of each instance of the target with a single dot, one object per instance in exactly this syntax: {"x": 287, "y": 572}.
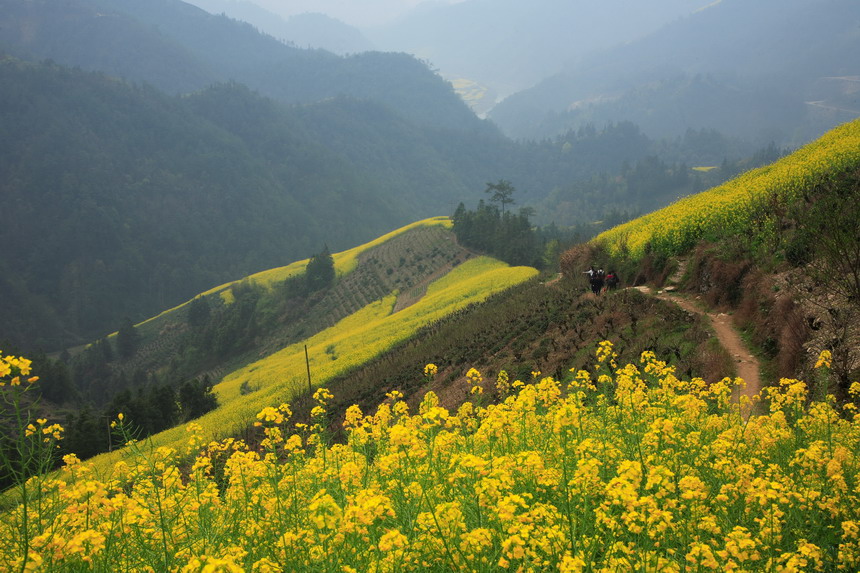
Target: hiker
{"x": 597, "y": 281}
{"x": 611, "y": 281}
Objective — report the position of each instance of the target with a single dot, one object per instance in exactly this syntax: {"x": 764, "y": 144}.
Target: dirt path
{"x": 747, "y": 365}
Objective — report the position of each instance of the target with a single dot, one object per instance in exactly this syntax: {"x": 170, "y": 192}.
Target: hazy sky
{"x": 355, "y": 12}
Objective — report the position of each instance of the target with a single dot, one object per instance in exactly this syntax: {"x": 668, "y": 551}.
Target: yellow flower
{"x": 392, "y": 540}
{"x": 824, "y": 359}
{"x": 474, "y": 377}
{"x": 324, "y": 511}
{"x": 430, "y": 369}
{"x": 265, "y": 565}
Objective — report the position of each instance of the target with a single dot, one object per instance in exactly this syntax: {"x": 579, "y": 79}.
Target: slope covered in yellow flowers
{"x": 282, "y": 375}
{"x": 345, "y": 262}
{"x": 740, "y": 205}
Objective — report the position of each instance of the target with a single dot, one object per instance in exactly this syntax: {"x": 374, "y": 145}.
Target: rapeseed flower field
{"x": 357, "y": 338}
{"x": 740, "y": 205}
{"x": 615, "y": 468}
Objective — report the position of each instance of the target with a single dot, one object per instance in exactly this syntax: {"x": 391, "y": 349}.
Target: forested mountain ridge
{"x": 121, "y": 200}
{"x": 179, "y": 48}
{"x": 308, "y": 30}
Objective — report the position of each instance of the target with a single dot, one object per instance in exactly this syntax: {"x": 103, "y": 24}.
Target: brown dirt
{"x": 748, "y": 367}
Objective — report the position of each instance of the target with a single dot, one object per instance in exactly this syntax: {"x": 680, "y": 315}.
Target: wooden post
{"x": 308, "y": 364}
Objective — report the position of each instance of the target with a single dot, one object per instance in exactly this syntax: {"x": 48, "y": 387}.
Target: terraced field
{"x": 405, "y": 261}
{"x": 389, "y": 291}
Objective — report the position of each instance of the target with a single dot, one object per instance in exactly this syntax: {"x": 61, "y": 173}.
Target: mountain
{"x": 309, "y": 30}
{"x": 506, "y": 45}
{"x": 121, "y": 200}
{"x": 180, "y": 48}
{"x": 732, "y": 66}
{"x": 126, "y": 198}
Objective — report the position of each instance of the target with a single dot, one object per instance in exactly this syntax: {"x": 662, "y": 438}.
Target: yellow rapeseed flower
{"x": 824, "y": 359}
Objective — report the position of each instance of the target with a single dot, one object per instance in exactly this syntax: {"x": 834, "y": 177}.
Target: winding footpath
{"x": 748, "y": 367}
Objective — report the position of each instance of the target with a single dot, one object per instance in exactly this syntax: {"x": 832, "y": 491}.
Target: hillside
{"x": 122, "y": 200}
{"x": 384, "y": 292}
{"x": 777, "y": 247}
{"x": 731, "y": 66}
{"x": 179, "y": 48}
{"x": 404, "y": 261}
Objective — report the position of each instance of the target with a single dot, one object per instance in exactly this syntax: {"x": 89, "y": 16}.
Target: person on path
{"x": 611, "y": 281}
{"x": 597, "y": 281}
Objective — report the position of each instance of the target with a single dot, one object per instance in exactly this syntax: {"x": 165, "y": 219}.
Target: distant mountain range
{"x": 767, "y": 71}
{"x": 770, "y": 70}
{"x": 509, "y": 45}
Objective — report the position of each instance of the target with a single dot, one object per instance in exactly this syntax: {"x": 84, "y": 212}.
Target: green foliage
{"x": 147, "y": 410}
{"x": 127, "y": 340}
{"x": 502, "y": 193}
{"x": 319, "y": 273}
{"x": 827, "y": 232}
{"x": 509, "y": 237}
{"x": 199, "y": 312}
{"x": 196, "y": 398}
